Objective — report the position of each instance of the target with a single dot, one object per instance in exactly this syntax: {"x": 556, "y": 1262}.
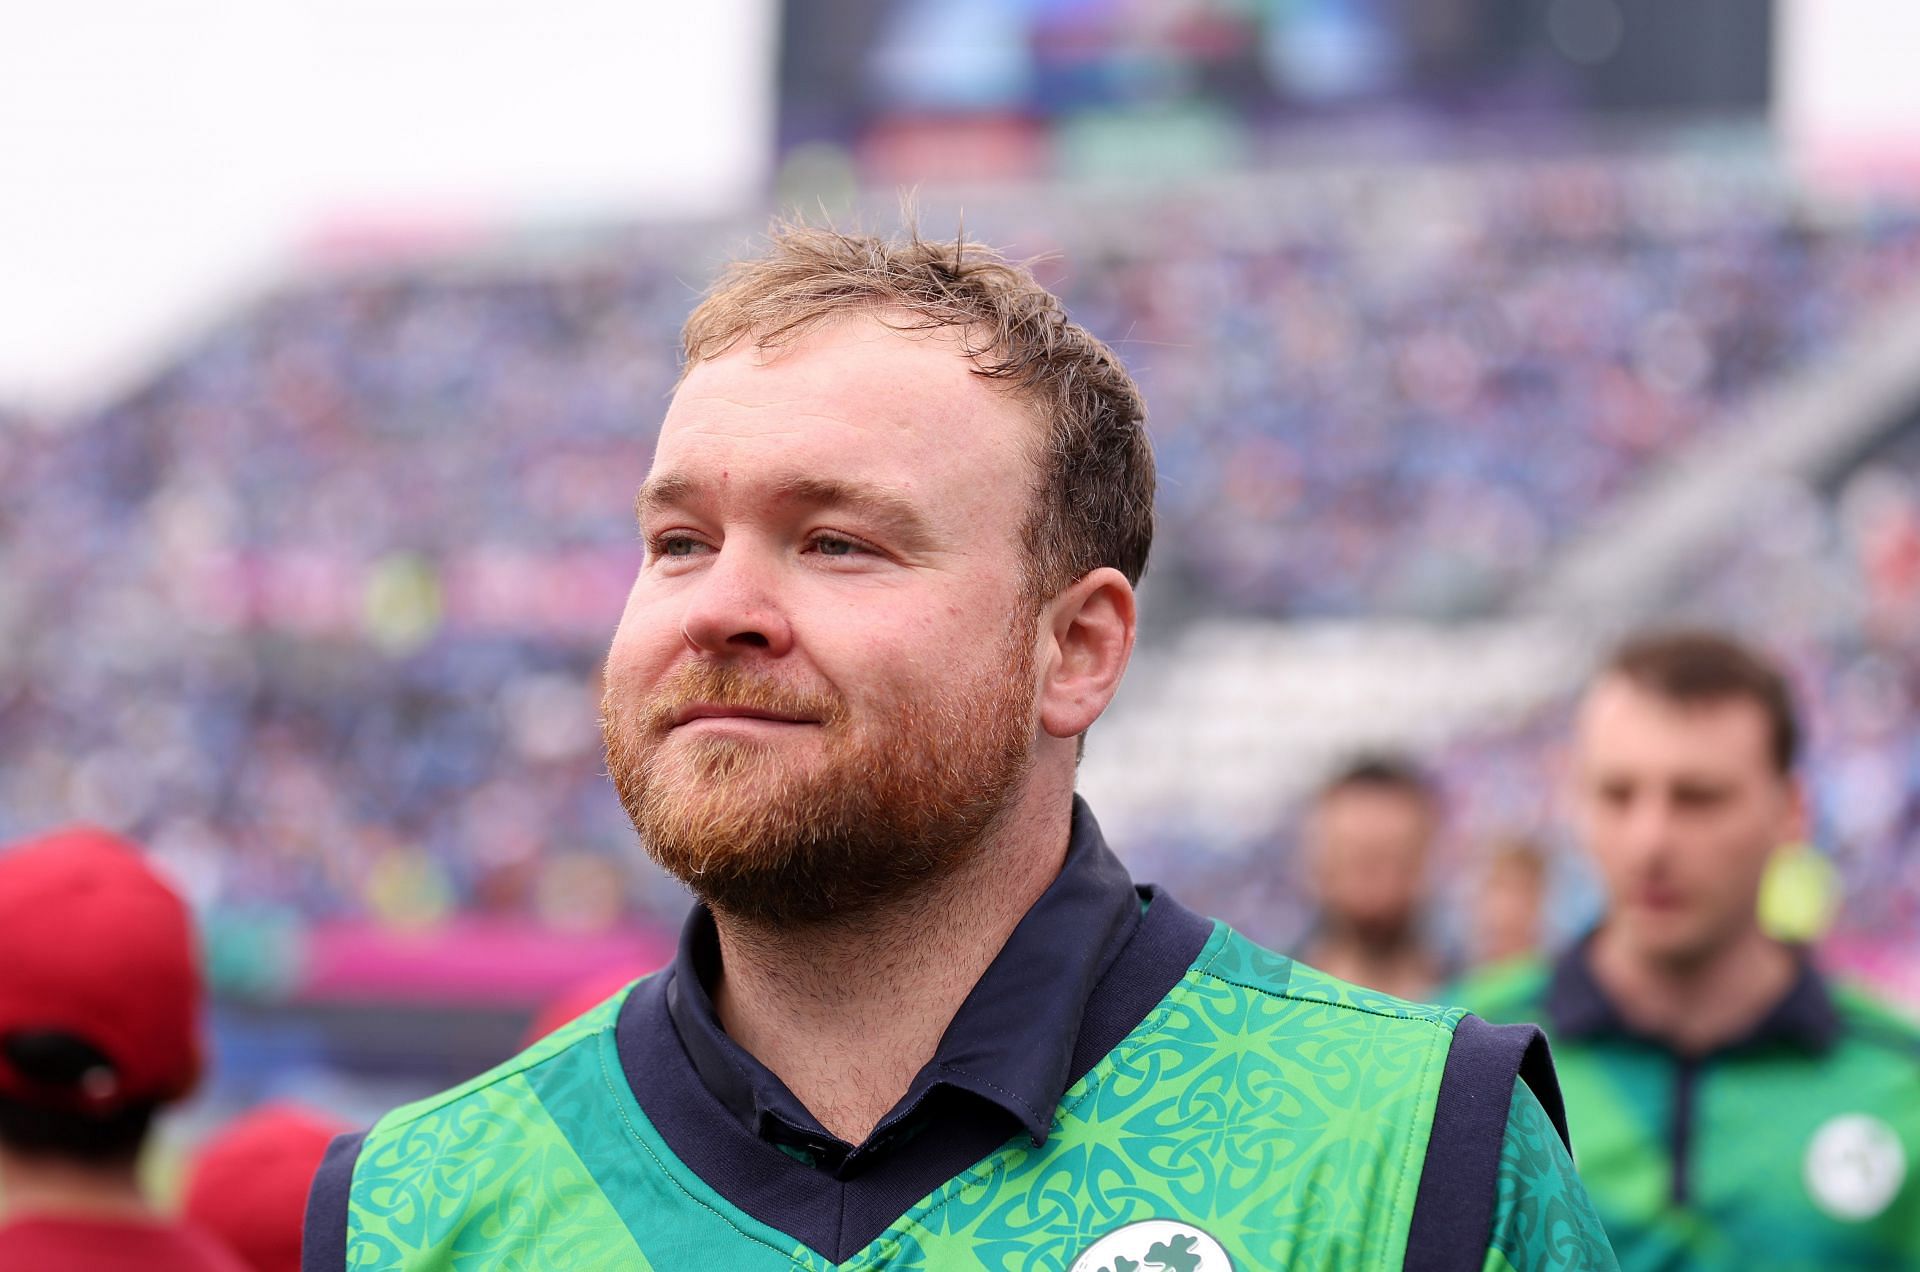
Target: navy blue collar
{"x": 1010, "y": 1046}
{"x": 839, "y": 1210}
{"x": 1577, "y": 1007}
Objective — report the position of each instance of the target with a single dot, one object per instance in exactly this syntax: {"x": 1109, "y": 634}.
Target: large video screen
{"x": 1076, "y": 83}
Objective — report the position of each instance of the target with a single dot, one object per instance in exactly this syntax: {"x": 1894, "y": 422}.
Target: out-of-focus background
{"x": 333, "y": 338}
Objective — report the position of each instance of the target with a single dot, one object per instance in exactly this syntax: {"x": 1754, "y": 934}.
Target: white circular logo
{"x": 1855, "y": 1166}
{"x": 1154, "y": 1245}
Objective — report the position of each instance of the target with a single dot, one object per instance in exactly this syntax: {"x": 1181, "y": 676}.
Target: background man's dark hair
{"x": 1691, "y": 667}
{"x": 1395, "y": 774}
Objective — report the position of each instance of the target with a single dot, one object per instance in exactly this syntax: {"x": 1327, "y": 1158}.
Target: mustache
{"x": 724, "y": 685}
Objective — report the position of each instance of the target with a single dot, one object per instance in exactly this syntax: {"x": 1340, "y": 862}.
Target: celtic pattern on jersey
{"x": 585, "y": 1095}
{"x": 468, "y": 1180}
{"x": 1542, "y": 1217}
{"x": 1279, "y": 1111}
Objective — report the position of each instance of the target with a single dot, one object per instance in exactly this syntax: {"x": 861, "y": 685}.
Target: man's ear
{"x": 1087, "y": 634}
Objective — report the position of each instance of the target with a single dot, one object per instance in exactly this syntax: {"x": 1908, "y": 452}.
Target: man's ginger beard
{"x": 882, "y": 808}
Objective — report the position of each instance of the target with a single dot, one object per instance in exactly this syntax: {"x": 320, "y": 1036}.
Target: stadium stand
{"x": 317, "y": 610}
{"x": 1825, "y": 572}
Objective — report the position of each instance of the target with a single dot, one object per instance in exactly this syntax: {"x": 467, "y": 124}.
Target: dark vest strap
{"x": 1453, "y": 1211}
{"x": 323, "y": 1244}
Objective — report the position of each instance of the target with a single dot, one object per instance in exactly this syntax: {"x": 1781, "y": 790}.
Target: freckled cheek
{"x": 640, "y": 597}
{"x": 880, "y": 659}
{"x": 963, "y": 625}
{"x": 626, "y": 673}
{"x": 644, "y": 644}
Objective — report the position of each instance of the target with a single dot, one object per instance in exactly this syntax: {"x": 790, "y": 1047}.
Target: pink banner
{"x": 471, "y": 960}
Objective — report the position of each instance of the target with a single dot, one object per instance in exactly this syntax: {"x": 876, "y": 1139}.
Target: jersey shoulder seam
{"x": 531, "y": 1058}
{"x": 1435, "y": 1017}
{"x": 1869, "y": 1030}
{"x": 504, "y": 1072}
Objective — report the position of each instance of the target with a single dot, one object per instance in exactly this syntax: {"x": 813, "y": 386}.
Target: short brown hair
{"x": 1689, "y": 666}
{"x": 1093, "y": 503}
{"x": 1392, "y": 773}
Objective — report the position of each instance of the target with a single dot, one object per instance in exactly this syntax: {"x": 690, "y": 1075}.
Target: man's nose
{"x": 735, "y": 605}
{"x": 1648, "y": 828}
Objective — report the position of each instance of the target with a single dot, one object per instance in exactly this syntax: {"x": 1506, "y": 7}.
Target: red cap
{"x": 94, "y": 945}
{"x": 249, "y": 1183}
{"x": 577, "y": 1000}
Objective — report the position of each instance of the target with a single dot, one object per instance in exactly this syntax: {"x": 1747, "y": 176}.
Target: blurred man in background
{"x": 1370, "y": 833}
{"x": 893, "y": 525}
{"x": 1509, "y": 902}
{"x": 99, "y": 1028}
{"x": 1734, "y": 1109}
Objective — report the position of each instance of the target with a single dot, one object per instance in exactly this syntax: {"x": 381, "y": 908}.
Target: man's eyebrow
{"x": 878, "y": 502}
{"x": 658, "y": 493}
{"x": 896, "y": 510}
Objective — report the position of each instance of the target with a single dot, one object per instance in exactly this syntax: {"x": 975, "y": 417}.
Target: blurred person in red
{"x": 1508, "y": 902}
{"x": 1369, "y": 834}
{"x": 249, "y": 1183}
{"x": 99, "y": 1028}
{"x": 576, "y": 1001}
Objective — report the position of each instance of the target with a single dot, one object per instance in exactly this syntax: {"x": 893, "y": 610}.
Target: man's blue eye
{"x": 677, "y": 547}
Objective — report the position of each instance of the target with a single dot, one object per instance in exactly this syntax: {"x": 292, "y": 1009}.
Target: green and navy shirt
{"x": 1129, "y": 1088}
{"x": 1788, "y": 1149}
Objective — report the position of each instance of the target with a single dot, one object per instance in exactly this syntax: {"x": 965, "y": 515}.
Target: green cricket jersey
{"x": 1130, "y": 1088}
{"x": 1790, "y": 1149}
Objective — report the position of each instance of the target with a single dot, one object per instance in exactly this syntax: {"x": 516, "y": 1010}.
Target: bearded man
{"x": 921, "y": 1017}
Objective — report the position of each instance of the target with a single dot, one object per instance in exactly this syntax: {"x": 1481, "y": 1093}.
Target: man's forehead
{"x": 1371, "y": 802}
{"x": 855, "y": 369}
{"x": 855, "y": 404}
{"x": 1708, "y": 733}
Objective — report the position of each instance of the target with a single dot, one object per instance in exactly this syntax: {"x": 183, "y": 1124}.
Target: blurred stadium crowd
{"x": 317, "y": 611}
